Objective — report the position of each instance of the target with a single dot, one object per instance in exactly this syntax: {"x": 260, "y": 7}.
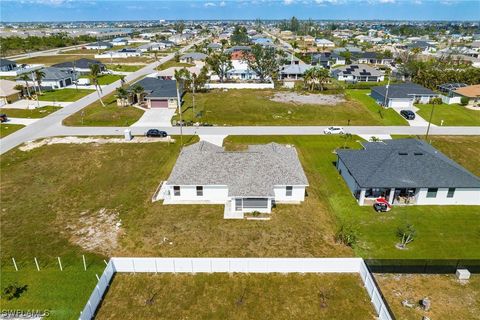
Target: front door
{"x": 238, "y": 204}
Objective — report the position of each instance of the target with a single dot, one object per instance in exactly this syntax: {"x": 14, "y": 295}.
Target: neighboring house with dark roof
{"x": 406, "y": 171}
{"x": 193, "y": 57}
{"x": 244, "y": 181}
{"x": 369, "y": 57}
{"x": 98, "y": 46}
{"x": 358, "y": 73}
{"x": 54, "y": 78}
{"x": 80, "y": 65}
{"x": 215, "y": 46}
{"x": 327, "y": 59}
{"x": 159, "y": 93}
{"x": 402, "y": 95}
{"x": 294, "y": 71}
{"x": 423, "y": 46}
{"x": 7, "y": 65}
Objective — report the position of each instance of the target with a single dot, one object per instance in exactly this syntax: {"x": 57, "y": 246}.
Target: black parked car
{"x": 408, "y": 114}
{"x": 156, "y": 133}
{"x": 3, "y": 117}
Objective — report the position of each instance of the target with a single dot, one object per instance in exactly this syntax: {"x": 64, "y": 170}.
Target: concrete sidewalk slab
{"x": 154, "y": 118}
{"x": 23, "y": 121}
{"x": 213, "y": 138}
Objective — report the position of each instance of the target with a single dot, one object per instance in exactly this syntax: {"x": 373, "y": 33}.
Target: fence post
{"x": 14, "y": 264}
{"x": 36, "y": 263}
{"x": 174, "y": 269}
{"x": 84, "y": 263}
{"x": 156, "y": 268}
{"x": 133, "y": 264}
{"x": 60, "y": 263}
{"x": 98, "y": 278}
{"x": 191, "y": 263}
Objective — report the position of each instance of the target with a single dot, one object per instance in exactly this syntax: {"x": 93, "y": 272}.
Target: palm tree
{"x": 26, "y": 78}
{"x": 322, "y": 75}
{"x": 122, "y": 95}
{"x": 94, "y": 74}
{"x": 39, "y": 75}
{"x": 138, "y": 90}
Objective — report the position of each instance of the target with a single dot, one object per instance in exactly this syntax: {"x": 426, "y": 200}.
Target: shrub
{"x": 347, "y": 236}
{"x": 14, "y": 291}
{"x": 464, "y": 101}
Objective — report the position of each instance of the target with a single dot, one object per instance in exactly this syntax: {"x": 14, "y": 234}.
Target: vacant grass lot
{"x": 447, "y": 295}
{"x": 62, "y": 293}
{"x": 452, "y": 115}
{"x": 105, "y": 78}
{"x": 111, "y": 115}
{"x": 124, "y": 67}
{"x": 254, "y": 107}
{"x": 64, "y": 94}
{"x": 173, "y": 63}
{"x": 441, "y": 230}
{"x": 238, "y": 296}
{"x": 141, "y": 59}
{"x": 29, "y": 113}
{"x": 54, "y": 59}
{"x": 6, "y": 129}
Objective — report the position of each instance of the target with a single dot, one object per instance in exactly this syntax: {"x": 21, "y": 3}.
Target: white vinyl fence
{"x": 240, "y": 85}
{"x": 235, "y": 265}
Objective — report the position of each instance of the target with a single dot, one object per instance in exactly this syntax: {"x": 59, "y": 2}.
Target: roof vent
{"x": 403, "y": 153}
{"x": 418, "y": 153}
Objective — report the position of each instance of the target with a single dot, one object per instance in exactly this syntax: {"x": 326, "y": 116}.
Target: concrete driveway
{"x": 154, "y": 118}
{"x": 418, "y": 121}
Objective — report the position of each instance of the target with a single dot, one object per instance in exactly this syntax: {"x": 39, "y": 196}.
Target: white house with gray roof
{"x": 244, "y": 181}
{"x": 406, "y": 171}
{"x": 358, "y": 73}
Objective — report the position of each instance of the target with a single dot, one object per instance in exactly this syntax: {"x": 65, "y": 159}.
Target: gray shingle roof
{"x": 80, "y": 63}
{"x": 405, "y": 163}
{"x": 159, "y": 88}
{"x": 194, "y": 56}
{"x": 6, "y": 62}
{"x": 54, "y": 74}
{"x": 358, "y": 70}
{"x": 250, "y": 173}
{"x": 403, "y": 90}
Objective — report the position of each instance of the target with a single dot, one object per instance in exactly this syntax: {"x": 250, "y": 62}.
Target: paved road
{"x": 259, "y": 130}
{"x": 49, "y": 125}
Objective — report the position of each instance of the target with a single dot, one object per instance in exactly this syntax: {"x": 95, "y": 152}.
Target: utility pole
{"x": 193, "y": 96}
{"x": 430, "y": 120}
{"x": 179, "y": 104}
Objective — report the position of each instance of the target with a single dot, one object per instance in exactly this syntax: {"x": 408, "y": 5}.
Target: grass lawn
{"x": 377, "y": 232}
{"x": 238, "y": 296}
{"x": 29, "y": 113}
{"x": 6, "y": 129}
{"x": 254, "y": 107}
{"x": 54, "y": 59}
{"x": 173, "y": 63}
{"x": 62, "y": 293}
{"x": 64, "y": 95}
{"x": 124, "y": 67}
{"x": 105, "y": 79}
{"x": 111, "y": 115}
{"x": 447, "y": 295}
{"x": 452, "y": 115}
{"x": 141, "y": 59}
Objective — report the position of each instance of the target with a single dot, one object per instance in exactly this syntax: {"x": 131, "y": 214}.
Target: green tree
{"x": 39, "y": 75}
{"x": 263, "y": 61}
{"x": 94, "y": 75}
{"x": 122, "y": 95}
{"x": 26, "y": 78}
{"x": 138, "y": 90}
{"x": 220, "y": 63}
{"x": 239, "y": 36}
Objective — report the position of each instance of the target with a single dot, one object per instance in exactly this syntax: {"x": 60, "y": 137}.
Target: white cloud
{"x": 287, "y": 2}
{"x": 222, "y": 4}
{"x": 386, "y": 1}
{"x": 209, "y": 4}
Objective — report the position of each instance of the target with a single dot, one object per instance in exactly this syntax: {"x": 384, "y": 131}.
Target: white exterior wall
{"x": 212, "y": 194}
{"x": 298, "y": 194}
{"x": 462, "y": 196}
{"x": 451, "y": 100}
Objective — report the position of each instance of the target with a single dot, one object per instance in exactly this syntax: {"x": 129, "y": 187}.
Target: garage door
{"x": 68, "y": 82}
{"x": 158, "y": 103}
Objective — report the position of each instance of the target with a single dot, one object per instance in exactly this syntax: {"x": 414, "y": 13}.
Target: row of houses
{"x": 402, "y": 172}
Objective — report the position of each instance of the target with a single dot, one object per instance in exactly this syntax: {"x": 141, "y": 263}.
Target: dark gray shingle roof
{"x": 403, "y": 90}
{"x": 405, "y": 163}
{"x": 6, "y": 62}
{"x": 159, "y": 88}
{"x": 251, "y": 173}
{"x": 80, "y": 63}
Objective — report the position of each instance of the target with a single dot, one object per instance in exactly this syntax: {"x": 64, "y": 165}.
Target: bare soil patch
{"x": 80, "y": 140}
{"x": 318, "y": 99}
{"x": 96, "y": 232}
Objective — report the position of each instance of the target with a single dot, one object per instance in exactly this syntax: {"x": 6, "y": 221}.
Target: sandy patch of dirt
{"x": 320, "y": 99}
{"x": 80, "y": 140}
{"x": 96, "y": 232}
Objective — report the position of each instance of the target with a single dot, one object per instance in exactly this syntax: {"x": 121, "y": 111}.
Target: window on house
{"x": 199, "y": 191}
{"x": 176, "y": 190}
{"x": 289, "y": 191}
{"x": 451, "y": 192}
{"x": 432, "y": 192}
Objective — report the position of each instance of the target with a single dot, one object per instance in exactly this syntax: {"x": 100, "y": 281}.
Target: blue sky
{"x": 74, "y": 10}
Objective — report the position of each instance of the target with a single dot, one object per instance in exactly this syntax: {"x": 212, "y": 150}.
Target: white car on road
{"x": 334, "y": 130}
